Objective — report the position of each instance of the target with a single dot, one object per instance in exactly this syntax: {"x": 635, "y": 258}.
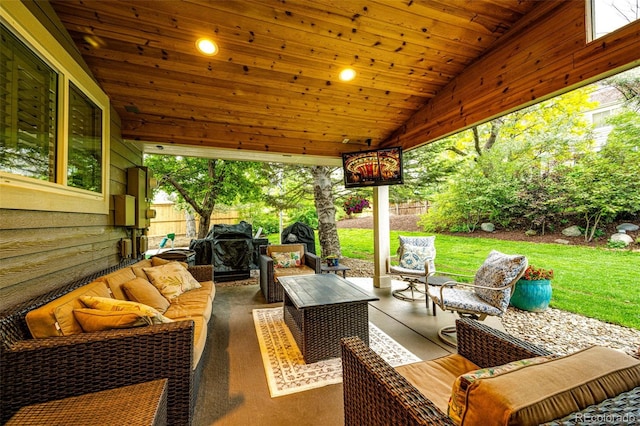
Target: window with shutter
{"x": 54, "y": 122}
{"x": 28, "y": 107}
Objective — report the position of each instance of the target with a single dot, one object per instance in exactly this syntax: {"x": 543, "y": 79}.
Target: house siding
{"x": 42, "y": 250}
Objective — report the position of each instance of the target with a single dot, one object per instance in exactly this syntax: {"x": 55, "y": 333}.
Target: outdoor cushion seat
{"x": 434, "y": 377}
{"x": 464, "y": 301}
{"x": 190, "y": 304}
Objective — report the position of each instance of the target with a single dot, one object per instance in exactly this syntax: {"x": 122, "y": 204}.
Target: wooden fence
{"x": 171, "y": 220}
{"x": 417, "y": 207}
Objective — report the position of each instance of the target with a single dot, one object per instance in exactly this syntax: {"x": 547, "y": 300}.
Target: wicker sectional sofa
{"x": 35, "y": 370}
{"x": 377, "y": 394}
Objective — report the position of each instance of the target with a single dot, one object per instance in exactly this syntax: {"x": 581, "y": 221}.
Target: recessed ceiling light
{"x": 207, "y": 46}
{"x": 347, "y": 74}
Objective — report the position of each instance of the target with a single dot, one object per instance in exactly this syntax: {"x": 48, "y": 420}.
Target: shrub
{"x": 307, "y": 216}
{"x": 268, "y": 222}
{"x": 616, "y": 244}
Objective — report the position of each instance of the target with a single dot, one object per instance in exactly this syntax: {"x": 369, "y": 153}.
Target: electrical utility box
{"x": 125, "y": 210}
{"x": 138, "y": 186}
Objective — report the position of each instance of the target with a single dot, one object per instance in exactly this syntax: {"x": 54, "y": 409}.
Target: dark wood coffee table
{"x": 321, "y": 309}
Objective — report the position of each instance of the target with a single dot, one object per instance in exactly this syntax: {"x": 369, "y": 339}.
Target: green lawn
{"x": 595, "y": 282}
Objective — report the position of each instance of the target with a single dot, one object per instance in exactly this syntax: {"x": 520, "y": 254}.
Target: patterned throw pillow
{"x": 172, "y": 279}
{"x": 458, "y": 400}
{"x": 413, "y": 257}
{"x": 289, "y": 259}
{"x": 498, "y": 270}
{"x": 115, "y": 305}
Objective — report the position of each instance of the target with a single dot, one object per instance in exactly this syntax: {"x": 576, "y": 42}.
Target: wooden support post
{"x": 381, "y": 279}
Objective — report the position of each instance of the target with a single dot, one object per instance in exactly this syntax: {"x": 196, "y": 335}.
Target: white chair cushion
{"x": 455, "y": 298}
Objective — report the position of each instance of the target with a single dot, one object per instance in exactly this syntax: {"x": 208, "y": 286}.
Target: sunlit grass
{"x": 595, "y": 282}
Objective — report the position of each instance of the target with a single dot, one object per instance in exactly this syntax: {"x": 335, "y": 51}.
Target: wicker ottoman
{"x": 144, "y": 404}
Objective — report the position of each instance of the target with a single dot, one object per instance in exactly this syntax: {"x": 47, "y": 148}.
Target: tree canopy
{"x": 201, "y": 183}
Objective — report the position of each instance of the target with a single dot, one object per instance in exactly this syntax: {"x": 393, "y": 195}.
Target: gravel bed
{"x": 556, "y": 330}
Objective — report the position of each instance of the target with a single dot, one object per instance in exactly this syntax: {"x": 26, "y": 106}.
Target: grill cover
{"x": 228, "y": 232}
{"x": 203, "y": 249}
{"x": 299, "y": 233}
{"x": 232, "y": 256}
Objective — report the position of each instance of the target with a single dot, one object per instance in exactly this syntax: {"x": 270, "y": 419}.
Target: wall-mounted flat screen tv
{"x": 372, "y": 168}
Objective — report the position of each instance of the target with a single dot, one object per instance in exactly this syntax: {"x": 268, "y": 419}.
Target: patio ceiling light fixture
{"x": 347, "y": 74}
{"x": 207, "y": 46}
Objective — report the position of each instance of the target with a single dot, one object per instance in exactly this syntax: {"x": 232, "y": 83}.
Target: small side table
{"x": 335, "y": 269}
{"x": 143, "y": 404}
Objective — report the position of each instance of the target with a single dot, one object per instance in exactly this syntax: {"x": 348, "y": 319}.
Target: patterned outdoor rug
{"x": 284, "y": 365}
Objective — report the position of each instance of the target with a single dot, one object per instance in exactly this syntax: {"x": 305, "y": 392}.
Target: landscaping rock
{"x": 572, "y": 231}
{"x": 627, "y": 227}
{"x": 620, "y": 236}
{"x": 488, "y": 227}
{"x": 561, "y": 241}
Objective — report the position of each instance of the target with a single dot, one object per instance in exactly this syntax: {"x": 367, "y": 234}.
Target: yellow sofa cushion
{"x": 199, "y": 339}
{"x": 116, "y": 279}
{"x": 542, "y": 392}
{"x": 457, "y": 402}
{"x": 210, "y": 288}
{"x": 93, "y": 320}
{"x": 158, "y": 261}
{"x": 192, "y": 303}
{"x": 56, "y": 317}
{"x": 107, "y": 304}
{"x": 138, "y": 270}
{"x": 434, "y": 378}
{"x": 172, "y": 279}
{"x": 142, "y": 291}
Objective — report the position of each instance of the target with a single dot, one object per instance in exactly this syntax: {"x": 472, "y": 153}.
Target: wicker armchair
{"x": 376, "y": 394}
{"x": 271, "y": 288}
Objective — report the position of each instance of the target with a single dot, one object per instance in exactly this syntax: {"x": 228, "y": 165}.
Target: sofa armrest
{"x": 202, "y": 273}
{"x": 312, "y": 261}
{"x": 375, "y": 394}
{"x": 40, "y": 370}
{"x": 488, "y": 347}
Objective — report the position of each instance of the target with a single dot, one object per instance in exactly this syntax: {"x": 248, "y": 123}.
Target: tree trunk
{"x": 323, "y": 197}
{"x": 204, "y": 223}
{"x": 191, "y": 224}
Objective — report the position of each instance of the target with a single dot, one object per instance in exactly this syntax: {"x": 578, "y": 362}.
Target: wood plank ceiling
{"x": 273, "y": 86}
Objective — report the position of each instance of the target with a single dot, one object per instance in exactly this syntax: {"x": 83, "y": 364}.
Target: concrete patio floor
{"x": 234, "y": 389}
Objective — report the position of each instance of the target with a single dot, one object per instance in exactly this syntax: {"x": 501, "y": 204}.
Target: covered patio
{"x": 424, "y": 70}
{"x": 272, "y": 92}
